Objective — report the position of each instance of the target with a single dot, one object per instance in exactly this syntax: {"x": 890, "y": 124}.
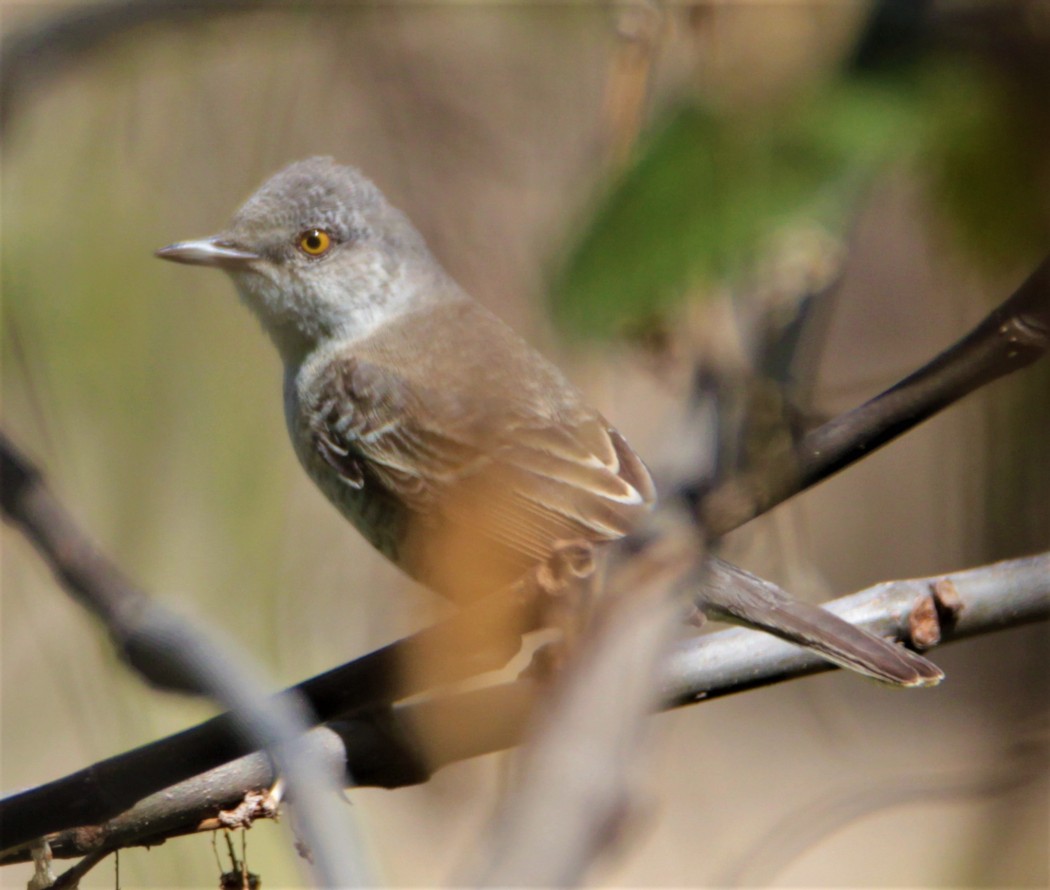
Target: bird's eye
{"x": 315, "y": 242}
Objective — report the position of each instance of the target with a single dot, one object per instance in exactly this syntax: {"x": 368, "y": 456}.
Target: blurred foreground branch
{"x": 382, "y": 748}
{"x": 33, "y": 56}
{"x": 584, "y": 740}
{"x": 169, "y": 652}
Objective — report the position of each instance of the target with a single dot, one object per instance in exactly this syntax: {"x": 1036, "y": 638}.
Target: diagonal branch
{"x": 1014, "y": 335}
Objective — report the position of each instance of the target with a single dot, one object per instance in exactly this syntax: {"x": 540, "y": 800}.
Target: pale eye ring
{"x": 314, "y": 242}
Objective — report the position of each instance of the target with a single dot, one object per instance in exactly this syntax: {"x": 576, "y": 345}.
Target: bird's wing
{"x": 368, "y": 426}
{"x": 558, "y": 480}
{"x": 506, "y": 473}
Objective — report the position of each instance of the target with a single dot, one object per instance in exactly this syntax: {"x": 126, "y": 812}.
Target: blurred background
{"x": 665, "y": 199}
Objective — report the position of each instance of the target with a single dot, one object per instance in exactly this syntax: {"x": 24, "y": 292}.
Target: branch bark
{"x": 1014, "y": 335}
{"x": 382, "y": 748}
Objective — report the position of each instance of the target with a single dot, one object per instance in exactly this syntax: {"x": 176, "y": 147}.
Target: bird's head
{"x": 319, "y": 253}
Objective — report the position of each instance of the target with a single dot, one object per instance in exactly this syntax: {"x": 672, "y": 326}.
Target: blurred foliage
{"x": 985, "y": 156}
{"x": 710, "y": 188}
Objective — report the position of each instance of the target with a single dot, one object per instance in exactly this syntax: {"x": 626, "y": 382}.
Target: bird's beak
{"x": 215, "y": 251}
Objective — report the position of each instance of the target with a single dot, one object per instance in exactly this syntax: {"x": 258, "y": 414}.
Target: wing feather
{"x": 518, "y": 479}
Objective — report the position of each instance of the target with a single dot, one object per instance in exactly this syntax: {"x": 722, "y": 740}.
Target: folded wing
{"x": 496, "y": 483}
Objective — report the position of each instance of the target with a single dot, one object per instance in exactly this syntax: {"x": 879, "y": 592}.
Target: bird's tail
{"x": 731, "y": 594}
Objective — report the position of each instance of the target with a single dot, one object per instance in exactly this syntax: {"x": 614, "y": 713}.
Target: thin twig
{"x": 70, "y": 878}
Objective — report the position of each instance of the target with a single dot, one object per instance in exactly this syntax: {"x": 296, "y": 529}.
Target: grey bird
{"x": 456, "y": 449}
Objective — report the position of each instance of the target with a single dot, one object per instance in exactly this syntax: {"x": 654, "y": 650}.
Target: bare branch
{"x": 382, "y": 749}
{"x": 70, "y": 879}
{"x": 1005, "y": 594}
{"x": 1013, "y": 336}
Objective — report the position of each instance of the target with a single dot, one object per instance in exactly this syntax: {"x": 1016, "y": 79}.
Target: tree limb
{"x": 382, "y": 748}
{"x": 1014, "y": 335}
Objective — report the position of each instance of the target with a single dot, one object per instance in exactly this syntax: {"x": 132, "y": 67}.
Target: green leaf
{"x": 708, "y": 191}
